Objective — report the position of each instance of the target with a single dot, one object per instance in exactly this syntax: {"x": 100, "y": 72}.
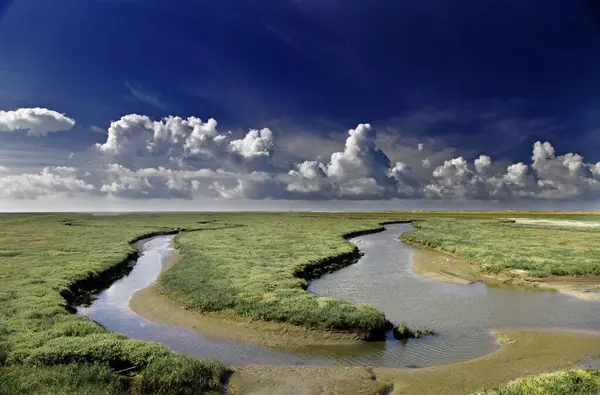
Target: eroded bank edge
{"x": 581, "y": 287}
{"x": 82, "y": 291}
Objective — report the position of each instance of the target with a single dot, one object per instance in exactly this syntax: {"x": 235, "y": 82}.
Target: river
{"x": 461, "y": 315}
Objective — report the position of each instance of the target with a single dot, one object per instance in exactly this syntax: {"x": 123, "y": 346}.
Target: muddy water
{"x": 463, "y": 315}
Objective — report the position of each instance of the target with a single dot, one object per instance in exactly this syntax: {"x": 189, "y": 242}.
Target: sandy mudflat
{"x": 440, "y": 266}
{"x": 522, "y": 353}
{"x": 150, "y": 304}
{"x": 552, "y": 222}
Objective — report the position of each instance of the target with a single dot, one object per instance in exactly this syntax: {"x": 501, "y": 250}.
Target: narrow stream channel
{"x": 111, "y": 310}
{"x": 463, "y": 315}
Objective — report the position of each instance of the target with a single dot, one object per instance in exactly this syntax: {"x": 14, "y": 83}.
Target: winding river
{"x": 462, "y": 315}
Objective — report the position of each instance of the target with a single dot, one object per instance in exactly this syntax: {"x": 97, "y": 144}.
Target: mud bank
{"x": 521, "y": 353}
{"x": 442, "y": 266}
{"x": 150, "y": 304}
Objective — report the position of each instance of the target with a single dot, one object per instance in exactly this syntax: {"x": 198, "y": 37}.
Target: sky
{"x": 299, "y": 104}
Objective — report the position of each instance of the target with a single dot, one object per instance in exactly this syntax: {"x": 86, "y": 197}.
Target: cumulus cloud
{"x": 255, "y": 143}
{"x": 309, "y": 178}
{"x": 190, "y": 158}
{"x": 455, "y": 179}
{"x": 184, "y": 142}
{"x": 361, "y": 170}
{"x": 50, "y": 181}
{"x": 135, "y": 134}
{"x": 564, "y": 176}
{"x": 549, "y": 177}
{"x": 34, "y": 121}
{"x": 482, "y": 163}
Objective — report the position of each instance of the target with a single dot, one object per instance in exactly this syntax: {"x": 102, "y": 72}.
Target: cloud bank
{"x": 188, "y": 158}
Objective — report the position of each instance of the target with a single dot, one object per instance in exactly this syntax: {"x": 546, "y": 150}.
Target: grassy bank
{"x": 497, "y": 245}
{"x": 566, "y": 382}
{"x": 243, "y": 263}
{"x": 260, "y": 270}
{"x": 42, "y": 257}
{"x": 246, "y": 264}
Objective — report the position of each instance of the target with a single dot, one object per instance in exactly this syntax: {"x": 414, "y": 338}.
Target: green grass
{"x": 240, "y": 263}
{"x": 63, "y": 379}
{"x": 498, "y": 245}
{"x": 567, "y": 382}
{"x": 42, "y": 257}
{"x": 251, "y": 270}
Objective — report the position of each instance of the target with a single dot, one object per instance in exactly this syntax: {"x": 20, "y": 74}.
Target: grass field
{"x": 248, "y": 264}
{"x": 253, "y": 270}
{"x": 43, "y": 256}
{"x": 498, "y": 245}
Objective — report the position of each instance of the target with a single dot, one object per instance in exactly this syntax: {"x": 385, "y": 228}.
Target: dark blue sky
{"x": 498, "y": 70}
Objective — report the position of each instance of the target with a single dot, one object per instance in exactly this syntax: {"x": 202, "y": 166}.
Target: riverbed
{"x": 461, "y": 315}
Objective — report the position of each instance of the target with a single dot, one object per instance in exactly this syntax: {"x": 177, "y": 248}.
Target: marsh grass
{"x": 567, "y": 382}
{"x": 499, "y": 245}
{"x": 63, "y": 379}
{"x": 236, "y": 260}
{"x": 241, "y": 263}
{"x": 254, "y": 270}
{"x": 39, "y": 338}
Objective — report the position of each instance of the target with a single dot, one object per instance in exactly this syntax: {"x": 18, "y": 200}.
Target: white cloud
{"x": 454, "y": 179}
{"x": 309, "y": 177}
{"x": 51, "y": 181}
{"x": 255, "y": 143}
{"x": 138, "y": 135}
{"x": 361, "y": 170}
{"x": 191, "y": 159}
{"x": 482, "y": 163}
{"x": 185, "y": 142}
{"x": 564, "y": 176}
{"x": 35, "y": 121}
{"x": 595, "y": 169}
{"x": 516, "y": 174}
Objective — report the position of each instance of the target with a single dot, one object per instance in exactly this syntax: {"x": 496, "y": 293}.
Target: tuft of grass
{"x": 181, "y": 375}
{"x": 566, "y": 382}
{"x": 92, "y": 379}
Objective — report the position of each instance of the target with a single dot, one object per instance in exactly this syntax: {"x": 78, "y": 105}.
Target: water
{"x": 462, "y": 315}
{"x": 111, "y": 310}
